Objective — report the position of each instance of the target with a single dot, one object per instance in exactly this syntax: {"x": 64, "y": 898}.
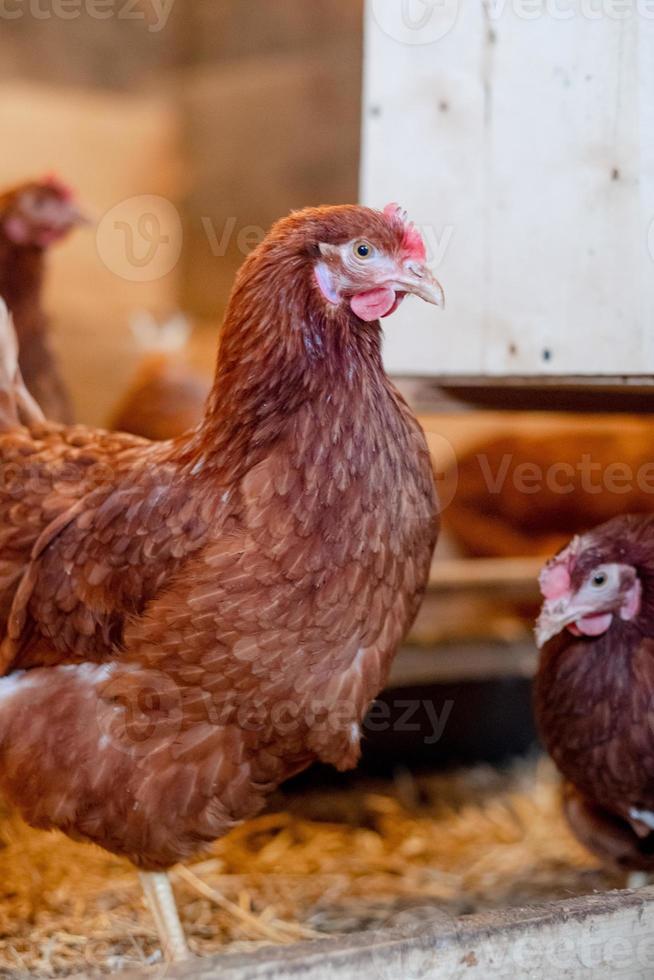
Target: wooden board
{"x": 599, "y": 937}
{"x": 223, "y": 31}
{"x": 264, "y": 135}
{"x": 523, "y": 143}
{"x": 121, "y": 45}
{"x": 599, "y": 394}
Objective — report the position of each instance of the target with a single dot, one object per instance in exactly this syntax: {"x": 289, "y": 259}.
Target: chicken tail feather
{"x": 17, "y": 406}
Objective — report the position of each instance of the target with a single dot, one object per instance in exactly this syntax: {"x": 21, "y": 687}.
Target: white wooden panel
{"x": 521, "y": 137}
{"x": 424, "y": 114}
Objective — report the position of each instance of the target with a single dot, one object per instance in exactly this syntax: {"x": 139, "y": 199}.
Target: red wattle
{"x": 374, "y": 303}
{"x": 593, "y": 625}
{"x": 398, "y": 299}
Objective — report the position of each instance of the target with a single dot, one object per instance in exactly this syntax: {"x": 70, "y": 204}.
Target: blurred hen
{"x": 167, "y": 395}
{"x": 33, "y": 217}
{"x": 526, "y": 494}
{"x": 595, "y": 686}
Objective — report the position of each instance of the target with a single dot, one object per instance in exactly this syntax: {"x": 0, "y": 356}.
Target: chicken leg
{"x": 161, "y": 900}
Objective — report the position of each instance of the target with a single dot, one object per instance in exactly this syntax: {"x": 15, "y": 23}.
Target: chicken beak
{"x": 555, "y": 615}
{"x": 419, "y": 280}
{"x": 549, "y": 624}
{"x": 76, "y": 217}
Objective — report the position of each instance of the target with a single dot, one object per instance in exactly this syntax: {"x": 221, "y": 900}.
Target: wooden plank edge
{"x": 600, "y": 936}
{"x": 592, "y": 394}
{"x": 496, "y": 574}
{"x": 451, "y": 662}
{"x": 604, "y": 381}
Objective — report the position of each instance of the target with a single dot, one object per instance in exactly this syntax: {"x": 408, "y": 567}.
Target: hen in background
{"x": 521, "y": 495}
{"x": 595, "y": 686}
{"x": 167, "y": 395}
{"x": 189, "y": 623}
{"x": 33, "y": 217}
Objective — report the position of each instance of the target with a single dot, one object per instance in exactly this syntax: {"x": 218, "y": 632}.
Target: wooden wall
{"x": 126, "y": 51}
{"x": 271, "y": 110}
{"x": 235, "y": 112}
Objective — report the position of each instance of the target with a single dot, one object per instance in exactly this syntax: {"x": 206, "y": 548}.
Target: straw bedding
{"x": 321, "y": 863}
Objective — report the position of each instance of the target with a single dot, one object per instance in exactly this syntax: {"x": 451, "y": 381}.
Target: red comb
{"x": 413, "y": 244}
{"x": 554, "y": 580}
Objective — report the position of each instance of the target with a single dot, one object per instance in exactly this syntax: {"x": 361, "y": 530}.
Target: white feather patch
{"x": 644, "y": 816}
{"x": 13, "y": 684}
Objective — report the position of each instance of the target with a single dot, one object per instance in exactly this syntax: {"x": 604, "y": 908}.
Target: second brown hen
{"x": 595, "y": 686}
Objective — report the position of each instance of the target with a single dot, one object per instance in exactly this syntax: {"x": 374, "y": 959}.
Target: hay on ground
{"x": 326, "y": 863}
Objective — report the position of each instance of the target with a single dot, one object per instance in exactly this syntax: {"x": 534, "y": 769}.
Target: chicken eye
{"x": 363, "y": 250}
{"x": 599, "y": 579}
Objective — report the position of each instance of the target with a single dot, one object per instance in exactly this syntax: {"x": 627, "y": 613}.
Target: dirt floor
{"x": 327, "y": 862}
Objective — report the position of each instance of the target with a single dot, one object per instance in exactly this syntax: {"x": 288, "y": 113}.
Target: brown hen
{"x": 595, "y": 686}
{"x": 33, "y": 217}
{"x": 189, "y": 623}
{"x": 526, "y": 494}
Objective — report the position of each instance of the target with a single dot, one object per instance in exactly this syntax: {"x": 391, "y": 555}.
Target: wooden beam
{"x": 464, "y": 661}
{"x": 592, "y": 394}
{"x": 598, "y": 937}
{"x": 504, "y": 575}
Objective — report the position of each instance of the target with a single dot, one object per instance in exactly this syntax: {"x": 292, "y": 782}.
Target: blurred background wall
{"x": 181, "y": 123}
{"x": 186, "y": 127}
